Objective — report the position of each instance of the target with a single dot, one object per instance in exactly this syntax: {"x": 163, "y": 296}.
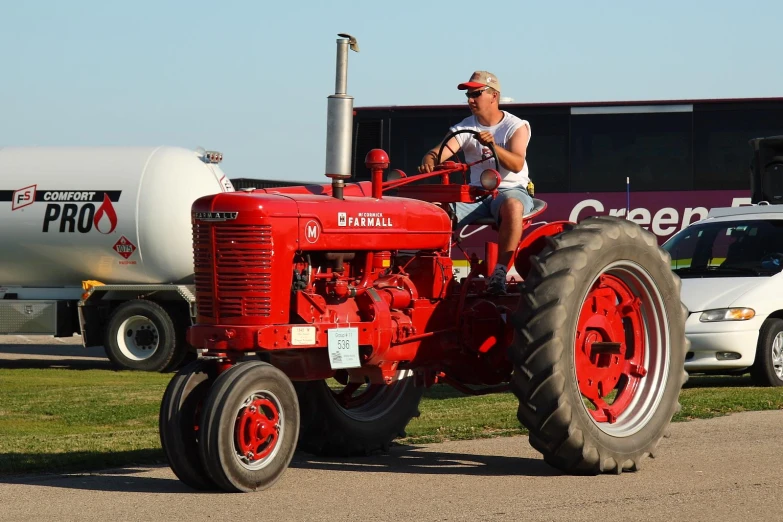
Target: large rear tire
{"x": 355, "y": 420}
{"x": 250, "y": 425}
{"x": 179, "y": 419}
{"x": 600, "y": 347}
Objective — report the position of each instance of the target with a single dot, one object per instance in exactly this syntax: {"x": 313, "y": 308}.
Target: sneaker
{"x": 497, "y": 281}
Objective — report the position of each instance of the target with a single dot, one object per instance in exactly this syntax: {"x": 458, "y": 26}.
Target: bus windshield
{"x": 742, "y": 248}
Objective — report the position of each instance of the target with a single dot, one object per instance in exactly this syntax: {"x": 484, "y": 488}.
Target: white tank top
{"x": 474, "y": 150}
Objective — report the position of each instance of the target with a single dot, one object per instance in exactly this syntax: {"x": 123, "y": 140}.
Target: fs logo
{"x": 312, "y": 231}
{"x": 342, "y": 219}
{"x": 23, "y": 197}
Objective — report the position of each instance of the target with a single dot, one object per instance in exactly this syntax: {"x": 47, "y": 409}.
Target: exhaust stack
{"x": 339, "y": 120}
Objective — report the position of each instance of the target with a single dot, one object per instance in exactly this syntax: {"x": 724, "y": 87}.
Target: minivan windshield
{"x": 743, "y": 248}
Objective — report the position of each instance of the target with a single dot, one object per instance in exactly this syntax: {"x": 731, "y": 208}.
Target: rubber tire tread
{"x": 550, "y": 404}
{"x": 167, "y": 343}
{"x": 183, "y": 352}
{"x": 327, "y": 431}
{"x": 189, "y": 387}
{"x": 212, "y": 445}
{"x": 763, "y": 371}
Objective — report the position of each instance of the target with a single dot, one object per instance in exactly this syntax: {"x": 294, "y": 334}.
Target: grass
{"x": 59, "y": 420}
{"x": 52, "y": 419}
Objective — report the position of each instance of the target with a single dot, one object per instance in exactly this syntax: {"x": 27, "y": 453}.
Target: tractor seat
{"x": 538, "y": 207}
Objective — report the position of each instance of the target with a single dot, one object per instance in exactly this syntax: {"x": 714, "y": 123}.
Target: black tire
{"x": 565, "y": 398}
{"x": 767, "y": 370}
{"x": 140, "y": 335}
{"x": 235, "y": 404}
{"x": 180, "y": 413}
{"x": 363, "y": 424}
{"x": 183, "y": 352}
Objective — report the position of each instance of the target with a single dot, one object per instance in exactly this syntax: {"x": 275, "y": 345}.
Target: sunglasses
{"x": 475, "y": 94}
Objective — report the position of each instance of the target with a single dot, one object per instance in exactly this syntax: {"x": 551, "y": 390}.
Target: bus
{"x": 661, "y": 164}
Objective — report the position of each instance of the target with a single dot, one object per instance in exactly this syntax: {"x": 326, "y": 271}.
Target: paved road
{"x": 719, "y": 469}
{"x": 43, "y": 351}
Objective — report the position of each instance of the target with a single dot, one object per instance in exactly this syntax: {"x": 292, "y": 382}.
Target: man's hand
{"x": 486, "y": 138}
{"x": 428, "y": 163}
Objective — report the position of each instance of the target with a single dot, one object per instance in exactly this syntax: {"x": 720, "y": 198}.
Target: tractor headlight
{"x": 727, "y": 314}
{"x": 395, "y": 174}
{"x": 490, "y": 179}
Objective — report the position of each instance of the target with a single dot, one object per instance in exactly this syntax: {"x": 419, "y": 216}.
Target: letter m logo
{"x": 312, "y": 231}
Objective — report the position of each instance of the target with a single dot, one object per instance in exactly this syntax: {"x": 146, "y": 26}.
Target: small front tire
{"x": 180, "y": 413}
{"x": 250, "y": 425}
{"x": 768, "y": 368}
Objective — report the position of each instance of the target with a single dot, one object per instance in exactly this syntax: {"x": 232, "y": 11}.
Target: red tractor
{"x": 340, "y": 282}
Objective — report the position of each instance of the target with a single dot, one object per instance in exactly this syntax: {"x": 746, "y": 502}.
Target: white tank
{"x": 112, "y": 214}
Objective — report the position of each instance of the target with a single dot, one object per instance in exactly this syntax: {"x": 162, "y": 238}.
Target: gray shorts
{"x": 466, "y": 213}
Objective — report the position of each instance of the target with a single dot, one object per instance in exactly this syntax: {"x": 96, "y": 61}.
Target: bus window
{"x": 653, "y": 149}
{"x": 411, "y": 137}
{"x": 367, "y": 135}
{"x": 548, "y": 149}
{"x": 720, "y": 141}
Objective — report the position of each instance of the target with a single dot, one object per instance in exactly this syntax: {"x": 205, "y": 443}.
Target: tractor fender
{"x": 534, "y": 242}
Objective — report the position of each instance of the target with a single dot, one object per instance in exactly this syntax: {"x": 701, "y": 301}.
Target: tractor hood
{"x": 310, "y": 221}
{"x": 360, "y": 223}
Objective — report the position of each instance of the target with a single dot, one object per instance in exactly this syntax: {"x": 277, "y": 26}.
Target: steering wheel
{"x": 774, "y": 260}
{"x": 475, "y": 135}
{"x": 491, "y": 147}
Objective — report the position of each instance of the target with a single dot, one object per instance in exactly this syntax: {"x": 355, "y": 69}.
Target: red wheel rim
{"x": 257, "y": 429}
{"x": 610, "y": 348}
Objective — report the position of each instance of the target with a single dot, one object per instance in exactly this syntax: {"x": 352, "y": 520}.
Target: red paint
{"x": 381, "y": 265}
{"x": 124, "y": 247}
{"x": 106, "y": 209}
{"x": 604, "y": 360}
{"x": 257, "y": 429}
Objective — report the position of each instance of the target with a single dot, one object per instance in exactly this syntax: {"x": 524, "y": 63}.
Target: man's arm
{"x": 431, "y": 157}
{"x": 512, "y": 158}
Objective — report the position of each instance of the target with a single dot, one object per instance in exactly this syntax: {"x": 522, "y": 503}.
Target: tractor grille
{"x": 233, "y": 269}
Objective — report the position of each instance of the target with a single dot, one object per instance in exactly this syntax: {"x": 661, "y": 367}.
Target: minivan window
{"x": 728, "y": 249}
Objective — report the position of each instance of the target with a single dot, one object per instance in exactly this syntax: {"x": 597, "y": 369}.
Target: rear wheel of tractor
{"x": 356, "y": 419}
{"x": 180, "y": 413}
{"x": 600, "y": 347}
{"x": 141, "y": 336}
{"x": 250, "y": 425}
{"x": 767, "y": 370}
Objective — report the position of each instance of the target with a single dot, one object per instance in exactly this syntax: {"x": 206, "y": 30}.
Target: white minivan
{"x": 730, "y": 265}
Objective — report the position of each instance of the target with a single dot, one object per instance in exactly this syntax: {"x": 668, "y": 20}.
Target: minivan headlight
{"x": 727, "y": 314}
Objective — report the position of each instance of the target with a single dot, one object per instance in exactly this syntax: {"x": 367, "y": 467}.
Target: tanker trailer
{"x": 97, "y": 241}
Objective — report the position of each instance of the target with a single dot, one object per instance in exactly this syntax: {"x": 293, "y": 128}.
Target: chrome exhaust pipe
{"x": 339, "y": 120}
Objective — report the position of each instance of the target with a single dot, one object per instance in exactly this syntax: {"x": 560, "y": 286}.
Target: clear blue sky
{"x": 251, "y": 79}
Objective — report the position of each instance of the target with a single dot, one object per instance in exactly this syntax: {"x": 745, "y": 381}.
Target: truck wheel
{"x": 183, "y": 354}
{"x": 358, "y": 419}
{"x": 250, "y": 424}
{"x": 180, "y": 413}
{"x": 768, "y": 368}
{"x": 141, "y": 336}
{"x": 600, "y": 347}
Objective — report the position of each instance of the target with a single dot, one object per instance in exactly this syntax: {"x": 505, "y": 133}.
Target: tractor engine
{"x": 276, "y": 269}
